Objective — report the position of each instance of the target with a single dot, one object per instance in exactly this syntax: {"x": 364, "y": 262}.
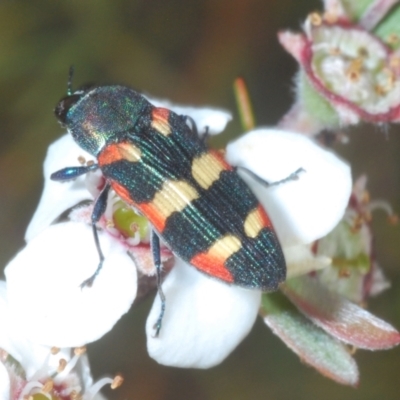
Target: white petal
{"x": 213, "y": 119}
{"x": 58, "y": 197}
{"x": 5, "y": 336}
{"x": 4, "y": 383}
{"x": 44, "y": 286}
{"x": 204, "y": 320}
{"x": 300, "y": 260}
{"x": 30, "y": 355}
{"x": 302, "y": 210}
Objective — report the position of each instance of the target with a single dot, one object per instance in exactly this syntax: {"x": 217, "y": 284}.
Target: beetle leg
{"x": 206, "y": 134}
{"x": 98, "y": 210}
{"x": 294, "y": 176}
{"x": 193, "y": 127}
{"x": 69, "y": 173}
{"x": 191, "y": 124}
{"x": 155, "y": 248}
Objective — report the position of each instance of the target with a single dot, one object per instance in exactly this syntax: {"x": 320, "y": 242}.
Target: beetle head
{"x": 99, "y": 115}
{"x": 66, "y": 103}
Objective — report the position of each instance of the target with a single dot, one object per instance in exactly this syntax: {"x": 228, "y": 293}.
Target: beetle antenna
{"x": 70, "y": 76}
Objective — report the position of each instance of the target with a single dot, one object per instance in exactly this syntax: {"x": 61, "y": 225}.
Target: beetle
{"x": 194, "y": 200}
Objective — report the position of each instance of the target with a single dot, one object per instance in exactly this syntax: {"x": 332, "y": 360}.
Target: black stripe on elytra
{"x": 259, "y": 263}
{"x": 214, "y": 214}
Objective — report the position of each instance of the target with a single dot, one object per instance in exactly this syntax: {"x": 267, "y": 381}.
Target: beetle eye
{"x": 64, "y": 105}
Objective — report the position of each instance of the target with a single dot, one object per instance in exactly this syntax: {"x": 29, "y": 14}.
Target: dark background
{"x": 189, "y": 52}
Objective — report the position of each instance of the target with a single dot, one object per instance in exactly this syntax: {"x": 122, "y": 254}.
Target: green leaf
{"x": 315, "y": 104}
{"x": 390, "y": 28}
{"x": 356, "y": 9}
{"x": 314, "y": 346}
{"x": 339, "y": 317}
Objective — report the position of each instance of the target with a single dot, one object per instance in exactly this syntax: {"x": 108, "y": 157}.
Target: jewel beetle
{"x": 194, "y": 200}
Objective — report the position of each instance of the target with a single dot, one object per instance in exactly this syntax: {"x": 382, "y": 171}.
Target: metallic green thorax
{"x": 93, "y": 119}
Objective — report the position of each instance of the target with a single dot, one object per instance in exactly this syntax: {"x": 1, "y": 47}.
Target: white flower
{"x": 205, "y": 319}
{"x": 44, "y": 285}
{"x": 28, "y": 368}
{"x": 349, "y": 67}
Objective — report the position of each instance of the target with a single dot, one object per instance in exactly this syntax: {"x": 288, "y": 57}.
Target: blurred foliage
{"x": 188, "y": 52}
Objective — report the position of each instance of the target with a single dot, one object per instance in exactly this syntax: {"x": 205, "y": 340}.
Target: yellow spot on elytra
{"x": 206, "y": 169}
{"x": 160, "y": 122}
{"x": 253, "y": 223}
{"x": 223, "y": 248}
{"x": 174, "y": 196}
{"x": 128, "y": 151}
{"x": 315, "y": 19}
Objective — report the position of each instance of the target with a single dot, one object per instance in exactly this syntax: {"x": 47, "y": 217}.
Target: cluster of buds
{"x": 349, "y": 67}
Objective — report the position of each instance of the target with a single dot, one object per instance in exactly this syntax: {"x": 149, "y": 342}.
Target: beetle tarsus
{"x": 89, "y": 282}
{"x": 155, "y": 247}
{"x": 98, "y": 210}
{"x": 294, "y": 176}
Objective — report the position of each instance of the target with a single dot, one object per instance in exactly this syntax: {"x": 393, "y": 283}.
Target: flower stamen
{"x": 74, "y": 395}
{"x": 315, "y": 19}
{"x": 29, "y": 387}
{"x": 394, "y": 62}
{"x": 393, "y": 39}
{"x": 78, "y": 351}
{"x": 61, "y": 365}
{"x": 3, "y": 355}
{"x": 353, "y": 72}
{"x": 330, "y": 17}
{"x": 48, "y": 386}
{"x": 117, "y": 382}
{"x": 97, "y": 386}
{"x": 334, "y": 51}
{"x": 386, "y": 207}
